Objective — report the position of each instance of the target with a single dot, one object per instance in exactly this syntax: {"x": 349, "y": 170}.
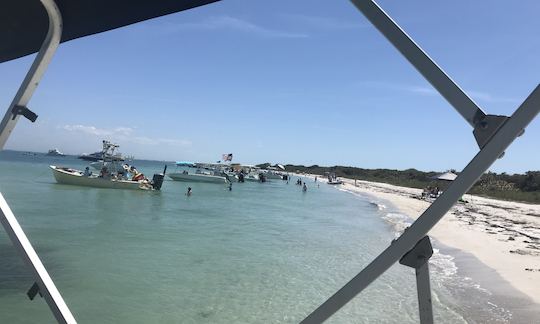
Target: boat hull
{"x": 335, "y": 182}
{"x": 197, "y": 178}
{"x": 273, "y": 176}
{"x": 75, "y": 177}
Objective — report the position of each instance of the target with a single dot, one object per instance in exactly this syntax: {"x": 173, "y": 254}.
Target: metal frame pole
{"x": 31, "y": 81}
{"x": 424, "y": 294}
{"x": 46, "y": 286}
{"x": 493, "y": 133}
{"x": 418, "y": 258}
{"x": 472, "y": 172}
{"x": 421, "y": 61}
{"x": 43, "y": 282}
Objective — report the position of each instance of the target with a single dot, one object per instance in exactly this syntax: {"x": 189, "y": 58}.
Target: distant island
{"x": 515, "y": 187}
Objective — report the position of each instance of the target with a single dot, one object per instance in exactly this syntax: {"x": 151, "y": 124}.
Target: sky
{"x": 302, "y": 82}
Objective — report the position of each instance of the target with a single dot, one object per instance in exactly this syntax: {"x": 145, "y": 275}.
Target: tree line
{"x": 519, "y": 187}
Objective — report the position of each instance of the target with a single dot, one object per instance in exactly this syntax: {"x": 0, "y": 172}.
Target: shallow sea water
{"x": 261, "y": 253}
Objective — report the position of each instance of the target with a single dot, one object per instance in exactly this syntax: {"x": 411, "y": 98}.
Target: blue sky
{"x": 308, "y": 82}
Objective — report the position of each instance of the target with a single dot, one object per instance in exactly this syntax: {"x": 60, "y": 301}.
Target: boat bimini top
{"x": 185, "y": 164}
{"x": 27, "y": 26}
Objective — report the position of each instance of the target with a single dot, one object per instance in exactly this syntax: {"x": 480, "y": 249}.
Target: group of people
{"x": 303, "y": 184}
{"x": 430, "y": 192}
{"x": 125, "y": 173}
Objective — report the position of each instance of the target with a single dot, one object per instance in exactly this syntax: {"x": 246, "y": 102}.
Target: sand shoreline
{"x": 503, "y": 235}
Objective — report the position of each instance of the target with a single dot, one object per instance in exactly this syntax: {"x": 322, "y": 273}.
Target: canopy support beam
{"x": 466, "y": 179}
{"x": 493, "y": 134}
{"x": 31, "y": 81}
{"x": 418, "y": 258}
{"x": 464, "y": 105}
{"x": 43, "y": 282}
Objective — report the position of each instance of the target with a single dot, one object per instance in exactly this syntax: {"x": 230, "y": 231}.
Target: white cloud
{"x": 124, "y": 134}
{"x": 486, "y": 97}
{"x": 91, "y": 130}
{"x": 319, "y": 22}
{"x": 235, "y": 24}
{"x": 430, "y": 91}
{"x": 421, "y": 90}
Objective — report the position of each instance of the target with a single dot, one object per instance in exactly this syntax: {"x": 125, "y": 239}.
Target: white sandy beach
{"x": 503, "y": 235}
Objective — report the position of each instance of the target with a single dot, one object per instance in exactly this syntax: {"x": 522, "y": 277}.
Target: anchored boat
{"x": 55, "y": 152}
{"x": 203, "y": 173}
{"x": 112, "y": 174}
{"x": 76, "y": 177}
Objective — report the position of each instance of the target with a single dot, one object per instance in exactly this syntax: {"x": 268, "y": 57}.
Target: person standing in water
{"x": 304, "y": 188}
{"x": 188, "y": 193}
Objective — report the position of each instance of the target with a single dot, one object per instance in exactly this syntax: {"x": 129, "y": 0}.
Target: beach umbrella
{"x": 446, "y": 176}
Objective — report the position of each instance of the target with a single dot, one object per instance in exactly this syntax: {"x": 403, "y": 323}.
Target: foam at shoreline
{"x": 500, "y": 236}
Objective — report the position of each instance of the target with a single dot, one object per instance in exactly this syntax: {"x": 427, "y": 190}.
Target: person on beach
{"x": 188, "y": 193}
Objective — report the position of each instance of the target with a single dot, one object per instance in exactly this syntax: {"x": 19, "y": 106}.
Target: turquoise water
{"x": 261, "y": 253}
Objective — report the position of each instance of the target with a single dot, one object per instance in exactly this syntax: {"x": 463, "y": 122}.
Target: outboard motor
{"x": 157, "y": 180}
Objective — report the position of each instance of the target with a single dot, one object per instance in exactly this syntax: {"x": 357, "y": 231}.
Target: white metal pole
{"x": 24, "y": 247}
{"x": 31, "y": 81}
{"x": 44, "y": 282}
{"x": 423, "y": 289}
{"x": 472, "y": 172}
{"x": 421, "y": 61}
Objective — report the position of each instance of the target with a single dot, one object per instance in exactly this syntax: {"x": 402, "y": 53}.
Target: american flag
{"x": 227, "y": 157}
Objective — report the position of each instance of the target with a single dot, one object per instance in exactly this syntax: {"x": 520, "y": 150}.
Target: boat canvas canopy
{"x": 447, "y": 176}
{"x": 23, "y": 23}
{"x": 185, "y": 163}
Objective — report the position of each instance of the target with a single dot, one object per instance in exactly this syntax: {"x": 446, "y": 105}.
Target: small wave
{"x": 443, "y": 264}
{"x": 378, "y": 205}
{"x": 399, "y": 221}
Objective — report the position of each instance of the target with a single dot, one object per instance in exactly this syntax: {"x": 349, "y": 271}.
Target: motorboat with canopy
{"x": 199, "y": 172}
{"x": 23, "y": 26}
{"x": 112, "y": 174}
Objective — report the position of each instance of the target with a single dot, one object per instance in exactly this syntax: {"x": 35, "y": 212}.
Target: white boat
{"x": 273, "y": 175}
{"x": 106, "y": 154}
{"x": 254, "y": 177}
{"x": 197, "y": 177}
{"x": 55, "y": 152}
{"x": 76, "y": 177}
{"x": 200, "y": 172}
{"x": 335, "y": 182}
